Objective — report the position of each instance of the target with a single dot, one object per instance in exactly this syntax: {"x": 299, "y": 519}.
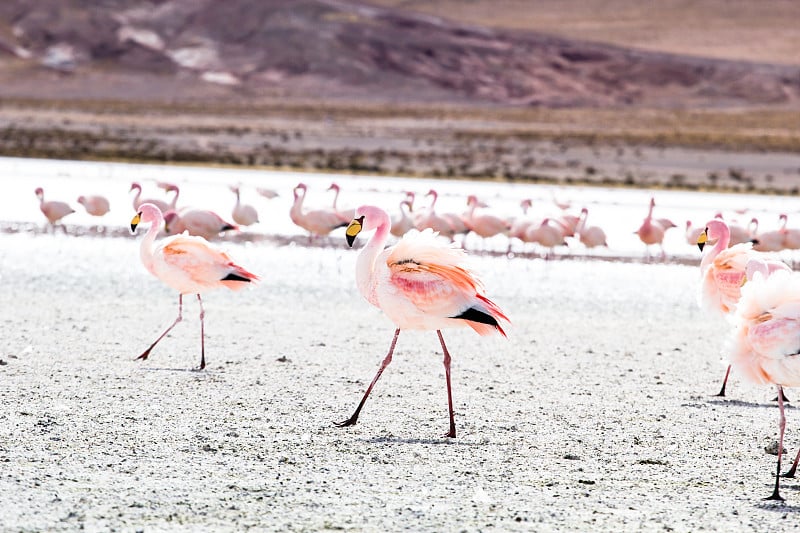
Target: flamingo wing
{"x": 200, "y": 264}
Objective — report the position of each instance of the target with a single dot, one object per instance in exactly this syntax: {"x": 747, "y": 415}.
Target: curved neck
{"x": 722, "y": 244}
{"x": 148, "y": 243}
{"x": 175, "y": 198}
{"x": 365, "y": 264}
{"x": 434, "y": 197}
{"x": 297, "y": 207}
{"x": 335, "y": 197}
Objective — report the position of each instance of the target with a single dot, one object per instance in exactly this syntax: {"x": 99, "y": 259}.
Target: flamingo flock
{"x": 421, "y": 282}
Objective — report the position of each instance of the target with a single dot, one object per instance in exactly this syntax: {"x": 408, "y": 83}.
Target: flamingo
{"x": 53, "y": 210}
{"x": 187, "y": 264}
{"x": 345, "y": 214}
{"x": 692, "y": 233}
{"x": 590, "y": 236}
{"x": 764, "y": 346}
{"x": 244, "y": 215}
{"x": 739, "y": 233}
{"x": 170, "y": 187}
{"x": 791, "y": 236}
{"x": 269, "y": 194}
{"x": 722, "y": 272}
{"x": 651, "y": 231}
{"x": 317, "y": 222}
{"x": 767, "y": 241}
{"x": 430, "y": 220}
{"x": 548, "y": 234}
{"x": 403, "y": 223}
{"x": 484, "y": 225}
{"x": 197, "y": 222}
{"x": 420, "y": 283}
{"x": 96, "y": 206}
{"x": 138, "y": 201}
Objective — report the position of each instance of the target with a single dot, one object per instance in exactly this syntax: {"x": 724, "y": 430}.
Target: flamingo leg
{"x": 782, "y": 425}
{"x": 793, "y": 469}
{"x": 721, "y": 392}
{"x": 146, "y": 353}
{"x": 452, "y": 433}
{"x": 202, "y": 334}
{"x": 388, "y": 359}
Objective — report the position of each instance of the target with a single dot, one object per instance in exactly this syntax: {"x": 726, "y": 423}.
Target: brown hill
{"x": 344, "y": 49}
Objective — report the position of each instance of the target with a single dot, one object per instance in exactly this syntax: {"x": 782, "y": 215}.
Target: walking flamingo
{"x": 420, "y": 283}
{"x": 722, "y": 272}
{"x": 243, "y": 214}
{"x": 96, "y": 206}
{"x": 764, "y": 346}
{"x": 549, "y": 234}
{"x": 138, "y": 201}
{"x": 53, "y": 210}
{"x": 187, "y": 264}
{"x": 484, "y": 225}
{"x": 317, "y": 222}
{"x": 197, "y": 222}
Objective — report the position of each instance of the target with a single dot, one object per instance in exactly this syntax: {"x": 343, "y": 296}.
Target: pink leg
{"x": 721, "y": 392}
{"x": 452, "y": 433}
{"x": 202, "y": 334}
{"x": 388, "y": 359}
{"x": 180, "y": 317}
{"x": 793, "y": 469}
{"x": 782, "y": 424}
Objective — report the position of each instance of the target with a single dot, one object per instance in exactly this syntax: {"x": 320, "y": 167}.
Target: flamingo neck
{"x": 722, "y": 244}
{"x": 365, "y": 264}
{"x": 146, "y": 251}
{"x": 296, "y": 212}
{"x": 175, "y": 198}
{"x": 335, "y": 197}
{"x": 136, "y": 197}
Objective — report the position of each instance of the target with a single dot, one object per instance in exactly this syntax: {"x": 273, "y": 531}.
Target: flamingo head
{"x": 410, "y": 196}
{"x": 300, "y": 187}
{"x": 39, "y": 192}
{"x": 234, "y": 189}
{"x": 333, "y": 187}
{"x": 167, "y": 186}
{"x": 584, "y": 211}
{"x": 526, "y": 204}
{"x": 135, "y": 186}
{"x": 366, "y": 218}
{"x": 432, "y": 193}
{"x": 652, "y": 202}
{"x": 783, "y": 217}
{"x": 715, "y": 229}
{"x": 82, "y": 200}
{"x": 148, "y": 213}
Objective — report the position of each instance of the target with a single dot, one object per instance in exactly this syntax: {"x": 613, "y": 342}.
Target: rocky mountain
{"x": 170, "y": 50}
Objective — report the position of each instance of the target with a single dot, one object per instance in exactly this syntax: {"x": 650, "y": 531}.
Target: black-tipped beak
{"x": 353, "y": 229}
{"x": 135, "y": 222}
{"x": 702, "y": 239}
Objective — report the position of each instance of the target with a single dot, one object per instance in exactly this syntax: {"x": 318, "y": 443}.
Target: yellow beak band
{"x": 353, "y": 229}
{"x": 702, "y": 239}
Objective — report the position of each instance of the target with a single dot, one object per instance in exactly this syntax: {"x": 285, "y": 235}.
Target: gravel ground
{"x": 596, "y": 412}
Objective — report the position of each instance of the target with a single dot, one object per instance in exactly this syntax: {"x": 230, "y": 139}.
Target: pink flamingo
{"x": 403, "y": 223}
{"x": 170, "y": 187}
{"x": 484, "y": 225}
{"x": 345, "y": 214}
{"x": 791, "y": 236}
{"x": 548, "y": 234}
{"x": 767, "y": 241}
{"x": 651, "y": 231}
{"x": 138, "y": 201}
{"x": 319, "y": 222}
{"x": 53, "y": 210}
{"x": 96, "y": 206}
{"x": 197, "y": 222}
{"x": 269, "y": 194}
{"x": 430, "y": 220}
{"x": 692, "y": 233}
{"x": 187, "y": 264}
{"x": 590, "y": 236}
{"x": 243, "y": 214}
{"x": 764, "y": 346}
{"x": 722, "y": 272}
{"x": 420, "y": 283}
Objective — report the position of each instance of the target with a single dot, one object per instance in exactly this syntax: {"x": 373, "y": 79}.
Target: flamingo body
{"x": 198, "y": 222}
{"x": 95, "y": 205}
{"x": 53, "y": 210}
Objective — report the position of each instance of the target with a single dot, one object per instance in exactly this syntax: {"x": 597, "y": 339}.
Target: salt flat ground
{"x": 596, "y": 412}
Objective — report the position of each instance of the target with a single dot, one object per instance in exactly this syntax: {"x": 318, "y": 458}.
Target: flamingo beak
{"x": 135, "y": 222}
{"x": 702, "y": 239}
{"x": 353, "y": 229}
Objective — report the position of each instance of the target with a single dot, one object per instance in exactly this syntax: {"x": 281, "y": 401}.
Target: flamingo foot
{"x": 349, "y": 422}
{"x": 450, "y": 434}
{"x": 775, "y": 496}
{"x": 785, "y": 399}
{"x": 144, "y": 355}
{"x": 791, "y": 472}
